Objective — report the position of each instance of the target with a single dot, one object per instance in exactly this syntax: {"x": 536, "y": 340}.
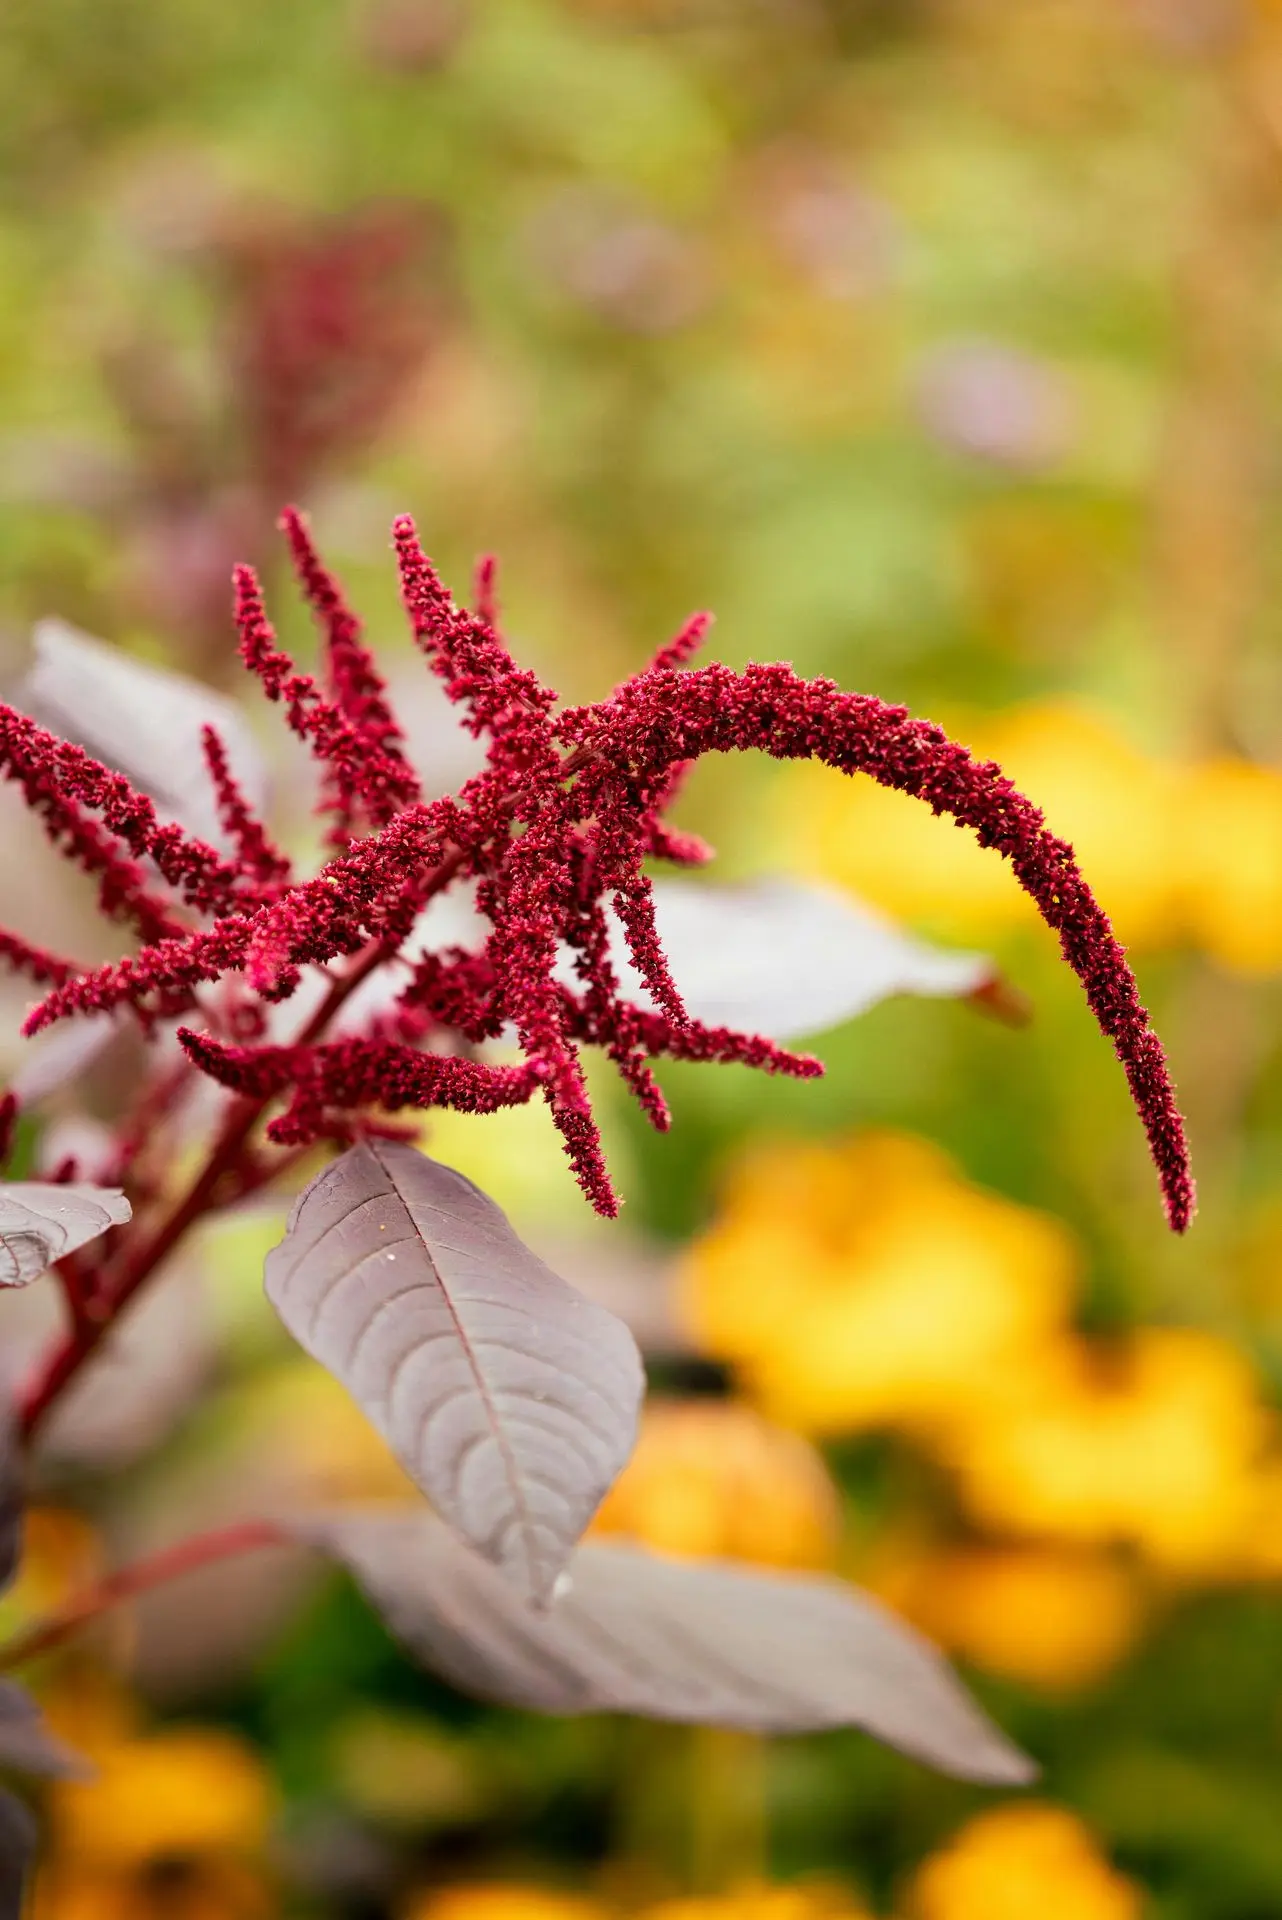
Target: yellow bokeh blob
{"x": 1051, "y": 1618}
{"x": 1154, "y": 1444}
{"x": 496, "y": 1900}
{"x": 867, "y": 1284}
{"x": 806, "y": 1900}
{"x": 210, "y": 1889}
{"x": 185, "y": 1791}
{"x": 1232, "y": 871}
{"x": 712, "y": 1479}
{"x": 1022, "y": 1862}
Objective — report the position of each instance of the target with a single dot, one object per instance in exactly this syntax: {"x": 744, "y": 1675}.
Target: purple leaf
{"x": 509, "y": 1397}
{"x": 695, "y": 1641}
{"x": 40, "y": 1223}
{"x": 788, "y": 958}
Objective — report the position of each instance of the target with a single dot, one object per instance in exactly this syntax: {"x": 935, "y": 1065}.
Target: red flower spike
{"x": 8, "y": 1124}
{"x": 258, "y": 855}
{"x": 355, "y": 685}
{"x": 602, "y": 1020}
{"x": 485, "y": 590}
{"x": 37, "y": 963}
{"x": 722, "y": 1046}
{"x": 682, "y": 849}
{"x": 454, "y": 989}
{"x": 506, "y": 701}
{"x": 660, "y": 718}
{"x": 664, "y": 842}
{"x": 682, "y": 649}
{"x": 167, "y": 971}
{"x": 357, "y": 1073}
{"x": 634, "y": 904}
{"x": 58, "y": 781}
{"x": 368, "y": 889}
{"x": 196, "y": 871}
{"x": 354, "y": 758}
{"x": 563, "y": 819}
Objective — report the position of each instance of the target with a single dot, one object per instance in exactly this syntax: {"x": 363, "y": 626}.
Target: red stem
{"x": 201, "y": 1550}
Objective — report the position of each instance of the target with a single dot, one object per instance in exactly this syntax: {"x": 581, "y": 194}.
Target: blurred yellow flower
{"x": 1051, "y": 1618}
{"x": 90, "y": 1708}
{"x": 1232, "y": 876}
{"x": 1154, "y": 1443}
{"x": 495, "y": 1900}
{"x": 205, "y": 1890}
{"x": 60, "y": 1554}
{"x": 713, "y": 1479}
{"x": 1256, "y": 1554}
{"x": 1115, "y": 804}
{"x": 1022, "y": 1862}
{"x": 867, "y": 1283}
{"x": 805, "y": 1900}
{"x": 186, "y": 1791}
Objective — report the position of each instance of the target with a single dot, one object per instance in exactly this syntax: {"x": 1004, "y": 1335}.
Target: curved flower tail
{"x": 662, "y": 717}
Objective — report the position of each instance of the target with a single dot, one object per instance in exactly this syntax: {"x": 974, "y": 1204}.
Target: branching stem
{"x": 201, "y": 1550}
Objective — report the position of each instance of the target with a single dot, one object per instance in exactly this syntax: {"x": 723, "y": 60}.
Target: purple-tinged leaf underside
{"x": 509, "y": 1397}
{"x": 787, "y": 957}
{"x": 41, "y": 1223}
{"x": 695, "y": 1641}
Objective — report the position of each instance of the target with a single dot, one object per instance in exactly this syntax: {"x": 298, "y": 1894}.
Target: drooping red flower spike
{"x": 553, "y": 833}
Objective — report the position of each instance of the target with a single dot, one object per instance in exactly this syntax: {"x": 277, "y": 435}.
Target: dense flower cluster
{"x": 556, "y": 829}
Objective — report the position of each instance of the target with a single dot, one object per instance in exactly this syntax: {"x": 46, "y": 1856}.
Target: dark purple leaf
{"x": 699, "y": 1641}
{"x": 508, "y": 1396}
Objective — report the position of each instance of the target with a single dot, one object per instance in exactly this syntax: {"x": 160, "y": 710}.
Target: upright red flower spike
{"x": 355, "y": 753}
{"x": 256, "y": 852}
{"x": 355, "y": 686}
{"x": 681, "y": 649}
{"x": 485, "y": 590}
{"x": 556, "y": 829}
{"x": 501, "y": 699}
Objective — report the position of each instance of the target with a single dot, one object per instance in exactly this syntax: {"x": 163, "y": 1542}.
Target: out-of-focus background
{"x": 934, "y": 344}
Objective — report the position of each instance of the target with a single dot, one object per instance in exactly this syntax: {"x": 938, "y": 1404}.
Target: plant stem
{"x": 201, "y": 1550}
